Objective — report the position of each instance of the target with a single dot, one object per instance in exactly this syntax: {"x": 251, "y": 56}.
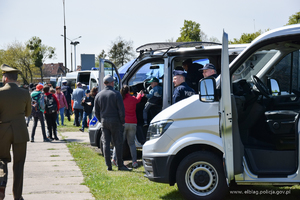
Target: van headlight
{"x": 156, "y": 129}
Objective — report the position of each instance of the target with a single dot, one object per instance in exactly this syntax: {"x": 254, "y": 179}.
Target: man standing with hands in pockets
{"x": 110, "y": 111}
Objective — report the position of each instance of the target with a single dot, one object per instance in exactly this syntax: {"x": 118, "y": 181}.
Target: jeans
{"x": 61, "y": 112}
{"x": 112, "y": 129}
{"x": 129, "y": 134}
{"x": 78, "y": 116}
{"x": 84, "y": 120}
{"x": 40, "y": 117}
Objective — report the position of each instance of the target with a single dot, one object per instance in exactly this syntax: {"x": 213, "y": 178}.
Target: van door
{"x": 107, "y": 67}
{"x": 225, "y": 112}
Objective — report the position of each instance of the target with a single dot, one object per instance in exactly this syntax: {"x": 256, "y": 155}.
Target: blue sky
{"x": 101, "y": 22}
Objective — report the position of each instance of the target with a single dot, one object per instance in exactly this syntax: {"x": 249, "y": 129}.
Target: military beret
{"x": 7, "y": 69}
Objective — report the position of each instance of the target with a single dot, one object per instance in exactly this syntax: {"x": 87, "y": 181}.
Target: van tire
{"x": 200, "y": 175}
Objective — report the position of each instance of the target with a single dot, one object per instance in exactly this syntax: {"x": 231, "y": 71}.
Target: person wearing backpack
{"x": 37, "y": 110}
{"x": 51, "y": 111}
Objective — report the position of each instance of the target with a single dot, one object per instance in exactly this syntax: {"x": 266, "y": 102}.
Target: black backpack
{"x": 50, "y": 104}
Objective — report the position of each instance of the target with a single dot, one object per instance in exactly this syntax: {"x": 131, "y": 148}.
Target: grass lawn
{"x": 133, "y": 185}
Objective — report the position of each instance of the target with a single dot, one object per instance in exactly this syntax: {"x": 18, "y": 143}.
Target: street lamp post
{"x": 65, "y": 30}
{"x": 73, "y": 43}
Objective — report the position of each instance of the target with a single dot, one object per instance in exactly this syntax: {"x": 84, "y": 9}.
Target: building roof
{"x": 53, "y": 69}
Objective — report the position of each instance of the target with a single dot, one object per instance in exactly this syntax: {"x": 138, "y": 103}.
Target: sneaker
{"x": 114, "y": 162}
{"x": 56, "y": 138}
{"x": 135, "y": 165}
{"x": 32, "y": 140}
{"x": 109, "y": 168}
{"x": 81, "y": 130}
{"x": 124, "y": 168}
{"x": 47, "y": 140}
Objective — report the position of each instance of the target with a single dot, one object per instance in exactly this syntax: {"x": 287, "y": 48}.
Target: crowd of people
{"x": 58, "y": 104}
{"x": 115, "y": 110}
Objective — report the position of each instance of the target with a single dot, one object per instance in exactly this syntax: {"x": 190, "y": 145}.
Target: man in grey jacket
{"x": 77, "y": 96}
{"x": 110, "y": 111}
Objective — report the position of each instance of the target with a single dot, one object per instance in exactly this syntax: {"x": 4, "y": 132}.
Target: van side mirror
{"x": 274, "y": 87}
{"x": 207, "y": 92}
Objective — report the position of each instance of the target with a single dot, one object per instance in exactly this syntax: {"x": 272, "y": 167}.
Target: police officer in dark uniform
{"x": 209, "y": 70}
{"x": 182, "y": 90}
{"x": 67, "y": 92}
{"x": 193, "y": 74}
{"x": 15, "y": 104}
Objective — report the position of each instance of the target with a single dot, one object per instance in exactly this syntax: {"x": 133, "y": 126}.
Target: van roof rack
{"x": 169, "y": 45}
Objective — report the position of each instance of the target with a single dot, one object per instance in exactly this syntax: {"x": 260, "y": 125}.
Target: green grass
{"x": 117, "y": 184}
{"x": 133, "y": 185}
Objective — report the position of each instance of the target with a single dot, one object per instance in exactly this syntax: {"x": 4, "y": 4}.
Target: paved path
{"x": 50, "y": 171}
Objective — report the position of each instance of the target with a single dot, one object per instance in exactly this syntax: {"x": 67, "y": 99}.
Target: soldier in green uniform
{"x": 15, "y": 104}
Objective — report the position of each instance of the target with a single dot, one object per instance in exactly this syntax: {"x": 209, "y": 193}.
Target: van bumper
{"x": 157, "y": 168}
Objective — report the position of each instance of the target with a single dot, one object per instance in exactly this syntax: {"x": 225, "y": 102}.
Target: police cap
{"x": 208, "y": 66}
{"x": 179, "y": 72}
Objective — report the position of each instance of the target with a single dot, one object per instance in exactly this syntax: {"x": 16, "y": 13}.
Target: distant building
{"x": 54, "y": 69}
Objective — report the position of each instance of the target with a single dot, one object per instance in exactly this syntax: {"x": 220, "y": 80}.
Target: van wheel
{"x": 201, "y": 176}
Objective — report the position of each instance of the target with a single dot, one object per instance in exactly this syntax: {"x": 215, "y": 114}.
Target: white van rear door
{"x": 107, "y": 67}
{"x": 226, "y": 111}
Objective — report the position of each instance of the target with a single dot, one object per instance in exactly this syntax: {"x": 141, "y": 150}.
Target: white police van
{"x": 245, "y": 123}
{"x": 158, "y": 60}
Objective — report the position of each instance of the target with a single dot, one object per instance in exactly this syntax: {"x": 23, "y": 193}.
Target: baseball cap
{"x": 39, "y": 87}
{"x": 153, "y": 80}
{"x": 108, "y": 78}
{"x": 87, "y": 91}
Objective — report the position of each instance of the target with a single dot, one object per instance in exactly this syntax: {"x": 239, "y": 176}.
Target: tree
{"x": 39, "y": 53}
{"x": 189, "y": 32}
{"x": 294, "y": 19}
{"x": 18, "y": 56}
{"x": 246, "y": 38}
{"x": 121, "y": 52}
{"x": 102, "y": 55}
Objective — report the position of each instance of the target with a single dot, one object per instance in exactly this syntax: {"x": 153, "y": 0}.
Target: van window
{"x": 93, "y": 83}
{"x": 146, "y": 72}
{"x": 287, "y": 72}
{"x": 109, "y": 69}
{"x": 254, "y": 64}
{"x": 276, "y": 62}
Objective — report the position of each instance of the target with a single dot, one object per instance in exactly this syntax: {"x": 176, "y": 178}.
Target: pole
{"x": 65, "y": 38}
{"x": 75, "y": 67}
